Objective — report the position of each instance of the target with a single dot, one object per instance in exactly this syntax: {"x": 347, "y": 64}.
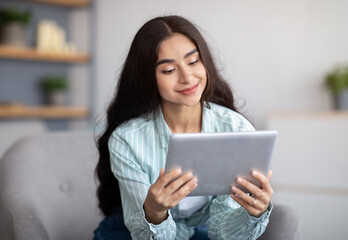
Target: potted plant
{"x": 55, "y": 88}
{"x": 337, "y": 82}
{"x": 13, "y": 23}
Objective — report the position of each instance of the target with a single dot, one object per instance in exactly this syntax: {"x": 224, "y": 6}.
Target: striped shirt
{"x": 138, "y": 150}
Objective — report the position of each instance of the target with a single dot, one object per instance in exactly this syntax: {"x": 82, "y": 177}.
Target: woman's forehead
{"x": 175, "y": 46}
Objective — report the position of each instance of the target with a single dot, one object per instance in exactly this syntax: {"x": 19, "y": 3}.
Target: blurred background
{"x": 286, "y": 62}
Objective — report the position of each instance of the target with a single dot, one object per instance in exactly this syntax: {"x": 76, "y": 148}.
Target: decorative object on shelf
{"x": 55, "y": 88}
{"x": 337, "y": 82}
{"x": 51, "y": 38}
{"x": 13, "y": 25}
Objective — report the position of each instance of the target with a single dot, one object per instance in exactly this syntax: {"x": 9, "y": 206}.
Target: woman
{"x": 169, "y": 84}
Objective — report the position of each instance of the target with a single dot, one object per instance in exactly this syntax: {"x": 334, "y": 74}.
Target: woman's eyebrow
{"x": 172, "y": 60}
{"x": 190, "y": 53}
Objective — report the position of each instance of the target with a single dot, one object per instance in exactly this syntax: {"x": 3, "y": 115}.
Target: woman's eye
{"x": 168, "y": 71}
{"x": 193, "y": 62}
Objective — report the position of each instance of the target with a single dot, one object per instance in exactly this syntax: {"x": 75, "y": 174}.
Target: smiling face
{"x": 180, "y": 73}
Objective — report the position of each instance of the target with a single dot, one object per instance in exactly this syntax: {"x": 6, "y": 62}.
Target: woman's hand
{"x": 258, "y": 202}
{"x": 166, "y": 193}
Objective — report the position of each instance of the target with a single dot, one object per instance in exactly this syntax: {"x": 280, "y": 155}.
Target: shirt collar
{"x": 162, "y": 128}
{"x": 206, "y": 118}
{"x": 165, "y": 132}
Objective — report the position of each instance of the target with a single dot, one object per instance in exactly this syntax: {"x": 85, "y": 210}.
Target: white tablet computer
{"x": 217, "y": 159}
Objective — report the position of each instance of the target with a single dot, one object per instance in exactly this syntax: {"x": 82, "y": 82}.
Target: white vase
{"x": 14, "y": 34}
{"x": 341, "y": 100}
{"x": 57, "y": 98}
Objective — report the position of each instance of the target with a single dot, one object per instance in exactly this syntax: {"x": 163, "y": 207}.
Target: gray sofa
{"x": 47, "y": 188}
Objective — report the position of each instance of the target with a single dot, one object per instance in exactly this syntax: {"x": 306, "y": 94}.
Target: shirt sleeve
{"x": 228, "y": 220}
{"x": 134, "y": 184}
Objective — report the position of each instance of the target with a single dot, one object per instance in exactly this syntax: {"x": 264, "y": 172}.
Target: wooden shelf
{"x": 23, "y": 53}
{"x": 66, "y": 3}
{"x": 48, "y": 112}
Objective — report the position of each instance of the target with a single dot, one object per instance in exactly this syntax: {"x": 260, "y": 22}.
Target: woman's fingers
{"x": 171, "y": 187}
{"x": 269, "y": 175}
{"x": 255, "y": 207}
{"x": 257, "y": 203}
{"x": 250, "y": 207}
{"x": 254, "y": 190}
{"x": 161, "y": 173}
{"x": 183, "y": 191}
{"x": 264, "y": 193}
{"x": 164, "y": 179}
{"x": 249, "y": 200}
{"x": 265, "y": 184}
{"x": 177, "y": 183}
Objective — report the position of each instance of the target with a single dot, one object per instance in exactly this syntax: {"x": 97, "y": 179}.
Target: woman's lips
{"x": 188, "y": 91}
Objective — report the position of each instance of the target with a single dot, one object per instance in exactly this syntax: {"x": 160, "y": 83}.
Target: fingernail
{"x": 239, "y": 180}
{"x": 195, "y": 180}
{"x": 189, "y": 174}
{"x": 234, "y": 189}
{"x": 254, "y": 173}
{"x": 178, "y": 170}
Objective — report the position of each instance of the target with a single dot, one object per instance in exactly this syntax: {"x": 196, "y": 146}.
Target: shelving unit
{"x": 45, "y": 112}
{"x": 68, "y": 3}
{"x": 13, "y": 110}
{"x": 33, "y": 54}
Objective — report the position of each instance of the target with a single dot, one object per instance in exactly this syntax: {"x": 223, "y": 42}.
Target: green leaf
{"x": 337, "y": 79}
{"x": 54, "y": 82}
{"x": 11, "y": 14}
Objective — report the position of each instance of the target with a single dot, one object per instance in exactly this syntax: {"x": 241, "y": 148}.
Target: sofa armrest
{"x": 21, "y": 223}
{"x": 284, "y": 223}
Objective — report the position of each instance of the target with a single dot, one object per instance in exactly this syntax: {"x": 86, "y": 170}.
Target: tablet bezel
{"x": 211, "y": 157}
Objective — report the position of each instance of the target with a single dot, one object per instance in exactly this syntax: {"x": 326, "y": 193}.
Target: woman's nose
{"x": 185, "y": 75}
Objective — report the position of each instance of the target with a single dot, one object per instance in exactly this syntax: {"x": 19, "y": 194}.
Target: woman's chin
{"x": 185, "y": 103}
{"x": 191, "y": 103}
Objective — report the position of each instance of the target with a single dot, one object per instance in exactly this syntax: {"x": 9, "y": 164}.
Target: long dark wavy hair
{"x": 137, "y": 93}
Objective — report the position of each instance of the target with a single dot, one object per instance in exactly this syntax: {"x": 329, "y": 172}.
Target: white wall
{"x": 309, "y": 165}
{"x": 274, "y": 53}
